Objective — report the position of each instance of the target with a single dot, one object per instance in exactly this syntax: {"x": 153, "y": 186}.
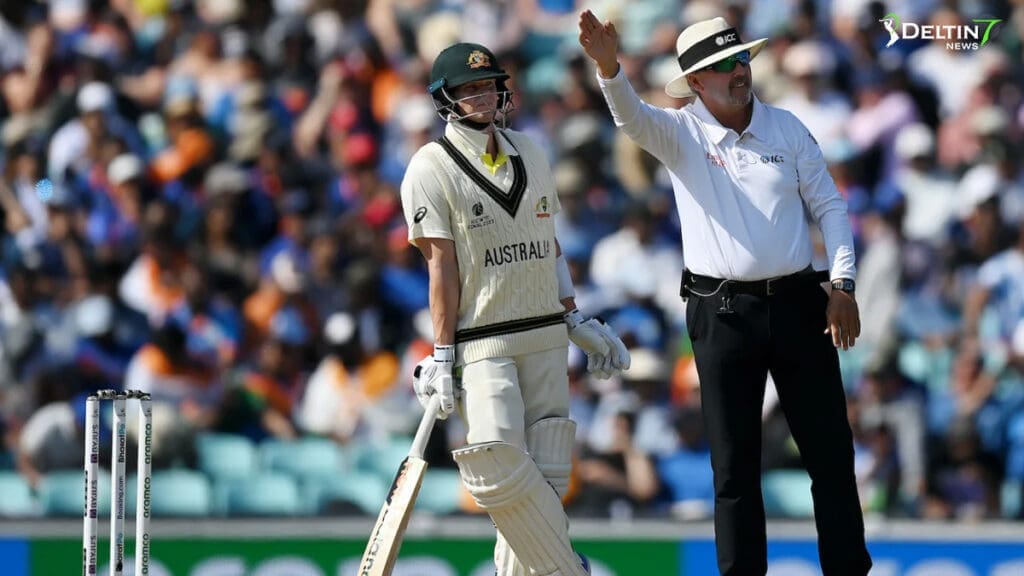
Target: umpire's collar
{"x": 758, "y": 126}
{"x": 473, "y": 143}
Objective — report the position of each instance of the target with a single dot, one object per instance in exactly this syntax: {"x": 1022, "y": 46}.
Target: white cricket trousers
{"x": 502, "y": 397}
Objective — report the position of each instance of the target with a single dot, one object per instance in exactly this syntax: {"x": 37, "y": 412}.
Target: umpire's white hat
{"x": 702, "y": 44}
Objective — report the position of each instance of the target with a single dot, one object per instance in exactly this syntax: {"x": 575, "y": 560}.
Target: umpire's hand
{"x": 843, "y": 319}
{"x": 600, "y": 41}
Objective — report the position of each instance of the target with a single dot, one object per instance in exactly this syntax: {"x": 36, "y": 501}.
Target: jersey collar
{"x": 758, "y": 126}
{"x": 473, "y": 143}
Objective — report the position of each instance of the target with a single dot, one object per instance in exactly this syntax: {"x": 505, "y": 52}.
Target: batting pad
{"x": 505, "y": 561}
{"x": 550, "y": 442}
{"x": 506, "y": 483}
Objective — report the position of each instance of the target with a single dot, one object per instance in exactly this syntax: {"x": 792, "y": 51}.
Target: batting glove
{"x": 606, "y": 353}
{"x": 433, "y": 375}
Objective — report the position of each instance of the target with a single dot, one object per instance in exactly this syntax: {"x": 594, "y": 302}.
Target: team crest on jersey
{"x": 481, "y": 219}
{"x": 478, "y": 59}
{"x": 541, "y": 208}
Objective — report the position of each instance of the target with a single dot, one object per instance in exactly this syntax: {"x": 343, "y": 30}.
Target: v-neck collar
{"x": 510, "y": 200}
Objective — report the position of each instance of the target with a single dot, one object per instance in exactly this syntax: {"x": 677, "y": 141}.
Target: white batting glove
{"x": 606, "y": 354}
{"x": 433, "y": 375}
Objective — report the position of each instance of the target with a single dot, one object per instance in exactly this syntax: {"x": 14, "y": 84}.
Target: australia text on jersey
{"x": 517, "y": 252}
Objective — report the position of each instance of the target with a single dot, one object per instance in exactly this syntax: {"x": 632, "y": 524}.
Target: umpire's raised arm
{"x": 653, "y": 128}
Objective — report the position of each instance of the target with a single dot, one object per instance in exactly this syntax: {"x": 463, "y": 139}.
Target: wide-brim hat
{"x": 701, "y": 45}
{"x": 463, "y": 63}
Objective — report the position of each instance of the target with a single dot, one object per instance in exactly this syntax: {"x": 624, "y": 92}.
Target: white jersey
{"x": 504, "y": 236}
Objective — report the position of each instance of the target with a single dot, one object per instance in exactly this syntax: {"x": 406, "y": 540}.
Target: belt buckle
{"x": 769, "y": 289}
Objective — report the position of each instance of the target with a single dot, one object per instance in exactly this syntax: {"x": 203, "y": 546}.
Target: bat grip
{"x": 419, "y": 443}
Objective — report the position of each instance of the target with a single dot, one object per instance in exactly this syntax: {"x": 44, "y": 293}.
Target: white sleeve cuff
{"x": 565, "y": 288}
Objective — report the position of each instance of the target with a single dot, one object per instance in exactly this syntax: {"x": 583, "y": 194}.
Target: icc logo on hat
{"x": 725, "y": 39}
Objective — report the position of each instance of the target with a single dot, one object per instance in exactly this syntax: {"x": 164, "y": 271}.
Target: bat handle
{"x": 419, "y": 443}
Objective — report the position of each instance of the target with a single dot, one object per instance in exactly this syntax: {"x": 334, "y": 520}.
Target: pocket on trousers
{"x": 693, "y": 306}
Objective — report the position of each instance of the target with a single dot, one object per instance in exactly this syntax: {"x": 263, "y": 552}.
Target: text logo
{"x": 480, "y": 219}
{"x": 958, "y": 37}
{"x": 517, "y": 252}
{"x": 725, "y": 39}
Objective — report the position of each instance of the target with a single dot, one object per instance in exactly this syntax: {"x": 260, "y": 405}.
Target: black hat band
{"x": 709, "y": 47}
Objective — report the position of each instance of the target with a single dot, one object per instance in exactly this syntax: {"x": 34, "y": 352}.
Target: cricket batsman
{"x": 479, "y": 204}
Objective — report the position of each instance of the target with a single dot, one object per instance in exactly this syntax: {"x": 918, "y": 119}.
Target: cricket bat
{"x": 386, "y": 538}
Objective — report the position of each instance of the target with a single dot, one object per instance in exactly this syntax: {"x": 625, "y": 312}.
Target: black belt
{"x": 695, "y": 284}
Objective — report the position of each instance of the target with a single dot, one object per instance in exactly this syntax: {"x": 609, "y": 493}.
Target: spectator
{"x": 636, "y": 263}
{"x": 285, "y": 285}
{"x": 617, "y": 481}
{"x": 929, "y": 193}
{"x": 815, "y": 102}
{"x": 50, "y": 438}
{"x": 350, "y": 391}
{"x": 963, "y": 485}
{"x": 261, "y": 398}
{"x": 686, "y": 472}
{"x": 888, "y": 402}
{"x": 75, "y": 147}
{"x": 151, "y": 284}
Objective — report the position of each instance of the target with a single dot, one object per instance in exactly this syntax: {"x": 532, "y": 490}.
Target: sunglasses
{"x": 729, "y": 64}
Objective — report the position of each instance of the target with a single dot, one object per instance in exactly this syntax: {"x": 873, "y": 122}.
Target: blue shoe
{"x": 585, "y": 562}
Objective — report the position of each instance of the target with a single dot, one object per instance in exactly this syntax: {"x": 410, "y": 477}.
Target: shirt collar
{"x": 474, "y": 142}
{"x": 758, "y": 121}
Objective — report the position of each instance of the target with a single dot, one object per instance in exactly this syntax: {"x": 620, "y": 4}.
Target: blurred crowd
{"x": 200, "y": 200}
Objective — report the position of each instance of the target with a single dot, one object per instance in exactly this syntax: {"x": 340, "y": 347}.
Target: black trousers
{"x": 734, "y": 351}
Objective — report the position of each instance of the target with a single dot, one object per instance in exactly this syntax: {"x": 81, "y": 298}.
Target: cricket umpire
{"x": 479, "y": 204}
{"x": 745, "y": 174}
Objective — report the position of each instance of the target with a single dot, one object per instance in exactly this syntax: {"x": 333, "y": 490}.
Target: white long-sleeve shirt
{"x": 741, "y": 198}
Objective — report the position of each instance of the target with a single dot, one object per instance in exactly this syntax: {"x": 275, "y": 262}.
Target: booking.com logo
{"x": 958, "y": 36}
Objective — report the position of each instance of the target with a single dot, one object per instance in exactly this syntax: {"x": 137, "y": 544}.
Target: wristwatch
{"x": 844, "y": 284}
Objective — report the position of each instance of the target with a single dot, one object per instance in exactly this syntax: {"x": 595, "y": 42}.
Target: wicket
{"x": 117, "y": 482}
